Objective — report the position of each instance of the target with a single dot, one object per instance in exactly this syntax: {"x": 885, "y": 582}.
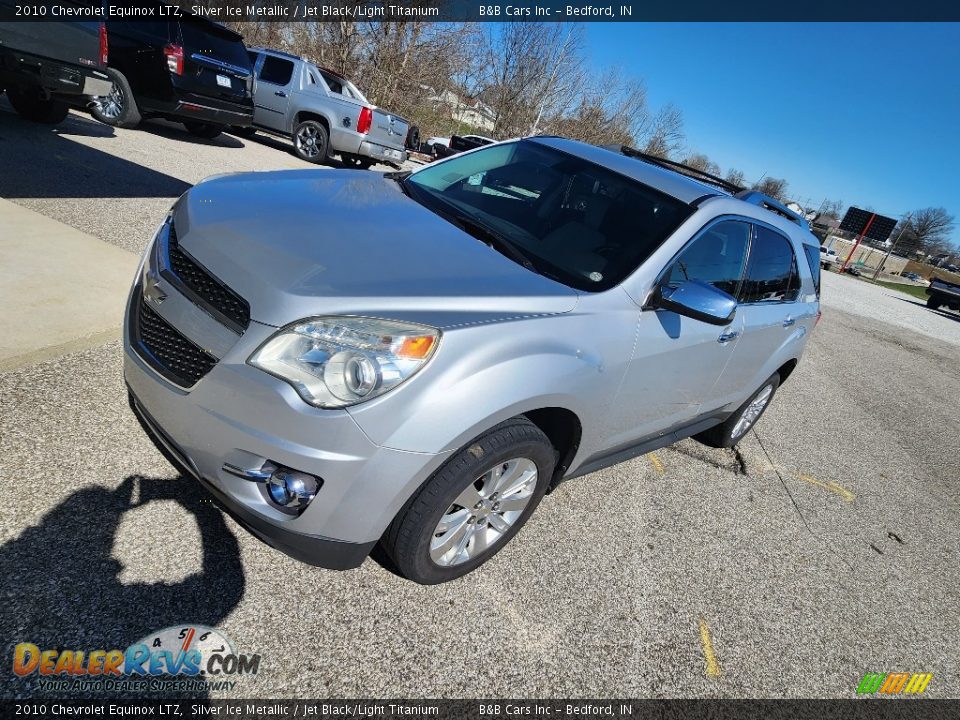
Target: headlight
{"x": 338, "y": 361}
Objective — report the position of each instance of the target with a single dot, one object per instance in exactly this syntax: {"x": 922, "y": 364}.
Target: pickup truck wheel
{"x": 932, "y": 303}
{"x": 207, "y": 131}
{"x": 473, "y": 505}
{"x": 731, "y": 431}
{"x": 33, "y": 107}
{"x": 118, "y": 109}
{"x": 310, "y": 141}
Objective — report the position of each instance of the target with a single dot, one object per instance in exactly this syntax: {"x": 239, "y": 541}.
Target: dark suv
{"x": 187, "y": 70}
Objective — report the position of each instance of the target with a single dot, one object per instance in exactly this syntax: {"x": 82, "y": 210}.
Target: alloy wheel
{"x": 753, "y": 411}
{"x": 483, "y": 513}
{"x": 111, "y": 105}
{"x": 307, "y": 141}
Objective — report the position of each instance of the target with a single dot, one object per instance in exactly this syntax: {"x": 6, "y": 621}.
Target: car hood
{"x": 314, "y": 242}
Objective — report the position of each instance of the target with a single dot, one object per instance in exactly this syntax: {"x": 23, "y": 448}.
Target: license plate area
{"x": 224, "y": 81}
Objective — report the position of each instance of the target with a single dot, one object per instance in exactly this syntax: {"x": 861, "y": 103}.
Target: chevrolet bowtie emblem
{"x": 152, "y": 291}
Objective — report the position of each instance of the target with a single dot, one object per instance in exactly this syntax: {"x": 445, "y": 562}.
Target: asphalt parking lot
{"x": 824, "y": 547}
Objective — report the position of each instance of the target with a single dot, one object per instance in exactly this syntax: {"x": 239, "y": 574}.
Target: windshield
{"x": 575, "y": 221}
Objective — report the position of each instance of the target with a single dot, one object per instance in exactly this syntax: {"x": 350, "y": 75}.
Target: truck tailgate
{"x": 387, "y": 130}
{"x": 73, "y": 43}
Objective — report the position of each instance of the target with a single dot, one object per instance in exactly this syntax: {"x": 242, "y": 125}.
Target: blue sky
{"x": 864, "y": 113}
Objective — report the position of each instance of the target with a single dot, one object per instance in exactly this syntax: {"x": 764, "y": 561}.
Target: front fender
{"x": 483, "y": 375}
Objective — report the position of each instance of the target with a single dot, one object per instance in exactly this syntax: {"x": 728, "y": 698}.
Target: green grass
{"x": 916, "y": 291}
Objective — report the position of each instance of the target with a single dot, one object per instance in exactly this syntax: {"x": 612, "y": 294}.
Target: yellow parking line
{"x": 828, "y": 485}
{"x": 656, "y": 462}
{"x": 713, "y": 667}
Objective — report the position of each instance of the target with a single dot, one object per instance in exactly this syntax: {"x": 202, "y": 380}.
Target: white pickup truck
{"x": 322, "y": 112}
{"x": 828, "y": 257}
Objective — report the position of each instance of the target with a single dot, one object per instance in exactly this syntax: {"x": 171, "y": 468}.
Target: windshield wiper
{"x": 494, "y": 239}
{"x": 399, "y": 176}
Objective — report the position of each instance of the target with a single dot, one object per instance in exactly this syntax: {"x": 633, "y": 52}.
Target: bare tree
{"x": 927, "y": 230}
{"x": 699, "y": 161}
{"x": 664, "y": 134}
{"x": 774, "y": 187}
{"x": 534, "y": 69}
{"x": 735, "y": 177}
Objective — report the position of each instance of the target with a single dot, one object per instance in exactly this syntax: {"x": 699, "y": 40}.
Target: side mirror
{"x": 698, "y": 300}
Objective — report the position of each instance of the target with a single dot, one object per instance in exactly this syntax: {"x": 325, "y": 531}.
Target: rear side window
{"x": 215, "y": 42}
{"x": 772, "y": 274}
{"x": 813, "y": 262}
{"x": 716, "y": 257}
{"x": 276, "y": 70}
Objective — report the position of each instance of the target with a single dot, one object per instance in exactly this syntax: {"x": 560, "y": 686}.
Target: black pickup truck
{"x": 943, "y": 292}
{"x": 46, "y": 65}
{"x": 459, "y": 144}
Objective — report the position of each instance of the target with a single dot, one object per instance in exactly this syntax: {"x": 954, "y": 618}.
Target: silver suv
{"x": 322, "y": 112}
{"x": 346, "y": 358}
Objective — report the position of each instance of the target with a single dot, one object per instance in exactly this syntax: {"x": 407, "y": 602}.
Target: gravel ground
{"x": 826, "y": 546}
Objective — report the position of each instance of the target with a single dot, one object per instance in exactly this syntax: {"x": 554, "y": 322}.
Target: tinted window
{"x": 772, "y": 269}
{"x": 716, "y": 257}
{"x": 276, "y": 70}
{"x": 157, "y": 30}
{"x": 813, "y": 262}
{"x": 576, "y": 221}
{"x": 213, "y": 41}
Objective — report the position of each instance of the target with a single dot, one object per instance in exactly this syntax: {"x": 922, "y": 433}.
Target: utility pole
{"x": 890, "y": 250}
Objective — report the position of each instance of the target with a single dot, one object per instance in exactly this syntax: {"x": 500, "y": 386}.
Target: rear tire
{"x": 732, "y": 430}
{"x": 207, "y": 131}
{"x": 311, "y": 141}
{"x": 933, "y": 304}
{"x": 37, "y": 109}
{"x": 119, "y": 108}
{"x": 455, "y": 522}
{"x": 244, "y": 132}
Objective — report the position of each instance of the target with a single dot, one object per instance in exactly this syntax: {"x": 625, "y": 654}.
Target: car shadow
{"x": 945, "y": 313}
{"x": 277, "y": 143}
{"x": 62, "y": 586}
{"x": 43, "y": 161}
{"x": 175, "y": 131}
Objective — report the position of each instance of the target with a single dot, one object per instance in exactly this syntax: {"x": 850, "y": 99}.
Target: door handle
{"x": 280, "y": 93}
{"x": 789, "y": 321}
{"x": 727, "y": 336}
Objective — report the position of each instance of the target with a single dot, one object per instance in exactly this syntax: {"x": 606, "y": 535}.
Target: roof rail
{"x": 690, "y": 172}
{"x": 754, "y": 197}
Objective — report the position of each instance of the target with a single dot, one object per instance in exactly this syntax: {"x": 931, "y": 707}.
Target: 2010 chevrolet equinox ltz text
{"x": 415, "y": 359}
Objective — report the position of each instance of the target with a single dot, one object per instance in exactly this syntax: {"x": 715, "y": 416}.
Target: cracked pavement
{"x": 823, "y": 547}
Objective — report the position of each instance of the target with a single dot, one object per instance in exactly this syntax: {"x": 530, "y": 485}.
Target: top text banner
{"x": 484, "y": 10}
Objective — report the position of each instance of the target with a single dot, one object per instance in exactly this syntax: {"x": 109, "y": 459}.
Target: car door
{"x": 677, "y": 360}
{"x": 272, "y": 99}
{"x": 768, "y": 305}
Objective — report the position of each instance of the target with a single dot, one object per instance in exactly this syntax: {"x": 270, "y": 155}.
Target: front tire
{"x": 733, "y": 429}
{"x": 932, "y": 303}
{"x": 310, "y": 141}
{"x": 473, "y": 505}
{"x": 37, "y": 109}
{"x": 119, "y": 108}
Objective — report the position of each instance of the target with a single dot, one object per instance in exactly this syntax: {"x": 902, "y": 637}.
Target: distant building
{"x": 469, "y": 111}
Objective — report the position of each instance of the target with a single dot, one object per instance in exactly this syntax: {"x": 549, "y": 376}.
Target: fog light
{"x": 292, "y": 489}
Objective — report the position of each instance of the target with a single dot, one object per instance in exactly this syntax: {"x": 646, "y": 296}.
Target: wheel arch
{"x": 785, "y": 370}
{"x": 564, "y": 430}
{"x": 305, "y": 115}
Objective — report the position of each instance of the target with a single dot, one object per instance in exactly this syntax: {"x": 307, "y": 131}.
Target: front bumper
{"x": 311, "y": 549}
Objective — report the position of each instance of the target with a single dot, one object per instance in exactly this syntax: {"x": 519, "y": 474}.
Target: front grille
{"x": 167, "y": 351}
{"x": 207, "y": 289}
